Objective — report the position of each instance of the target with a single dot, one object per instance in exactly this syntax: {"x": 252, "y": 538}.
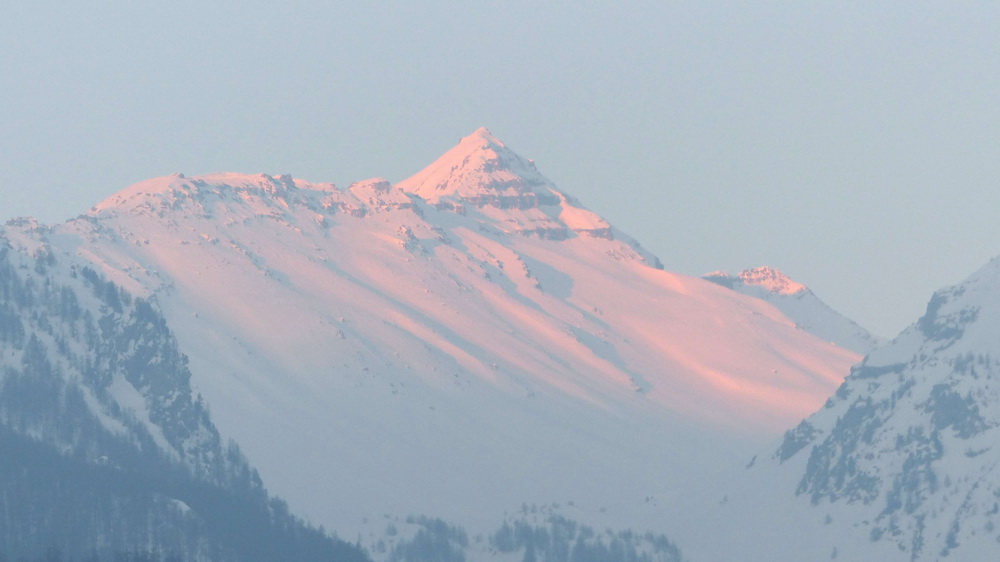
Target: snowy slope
{"x": 900, "y": 464}
{"x": 104, "y": 448}
{"x": 800, "y": 304}
{"x": 468, "y": 340}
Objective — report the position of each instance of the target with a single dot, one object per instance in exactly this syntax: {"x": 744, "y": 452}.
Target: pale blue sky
{"x": 853, "y": 145}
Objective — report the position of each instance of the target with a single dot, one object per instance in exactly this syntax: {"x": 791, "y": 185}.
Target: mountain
{"x": 797, "y": 302}
{"x": 509, "y": 192}
{"x": 899, "y": 464}
{"x": 457, "y": 344}
{"x": 106, "y": 450}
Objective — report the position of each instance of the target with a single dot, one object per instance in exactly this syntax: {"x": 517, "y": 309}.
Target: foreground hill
{"x": 800, "y": 304}
{"x": 899, "y": 464}
{"x": 105, "y": 449}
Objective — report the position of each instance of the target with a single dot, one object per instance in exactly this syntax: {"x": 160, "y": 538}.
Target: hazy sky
{"x": 853, "y": 145}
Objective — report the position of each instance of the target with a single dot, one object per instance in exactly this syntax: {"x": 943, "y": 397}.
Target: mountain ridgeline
{"x": 105, "y": 450}
{"x": 800, "y": 304}
{"x": 910, "y": 437}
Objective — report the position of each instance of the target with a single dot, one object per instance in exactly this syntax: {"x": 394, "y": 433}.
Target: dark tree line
{"x": 559, "y": 539}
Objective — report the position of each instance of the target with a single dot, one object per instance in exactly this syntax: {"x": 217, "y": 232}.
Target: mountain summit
{"x": 772, "y": 280}
{"x": 765, "y": 278}
{"x": 481, "y": 170}
{"x": 506, "y": 190}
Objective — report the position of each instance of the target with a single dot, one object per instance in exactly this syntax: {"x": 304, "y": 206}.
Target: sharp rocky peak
{"x": 482, "y": 171}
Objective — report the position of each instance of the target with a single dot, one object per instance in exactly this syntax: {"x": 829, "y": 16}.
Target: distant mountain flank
{"x": 799, "y": 303}
{"x": 899, "y": 464}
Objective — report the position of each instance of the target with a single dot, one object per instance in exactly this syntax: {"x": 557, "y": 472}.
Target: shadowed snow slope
{"x": 800, "y": 304}
{"x": 104, "y": 448}
{"x": 900, "y": 464}
{"x": 460, "y": 343}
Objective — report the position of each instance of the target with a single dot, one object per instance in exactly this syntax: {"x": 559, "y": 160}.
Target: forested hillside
{"x": 106, "y": 451}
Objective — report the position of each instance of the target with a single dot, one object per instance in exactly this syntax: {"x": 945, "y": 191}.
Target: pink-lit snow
{"x": 465, "y": 341}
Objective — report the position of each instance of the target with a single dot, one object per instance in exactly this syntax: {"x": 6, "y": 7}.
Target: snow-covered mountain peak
{"x": 800, "y": 304}
{"x": 494, "y": 315}
{"x": 764, "y": 277}
{"x": 483, "y": 136}
{"x": 481, "y": 178}
{"x": 481, "y": 170}
{"x": 772, "y": 280}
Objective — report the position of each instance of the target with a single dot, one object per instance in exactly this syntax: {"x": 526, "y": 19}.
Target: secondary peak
{"x": 484, "y": 134}
{"x": 772, "y": 280}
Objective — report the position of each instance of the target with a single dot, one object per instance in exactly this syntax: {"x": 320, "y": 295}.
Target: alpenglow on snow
{"x": 458, "y": 344}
